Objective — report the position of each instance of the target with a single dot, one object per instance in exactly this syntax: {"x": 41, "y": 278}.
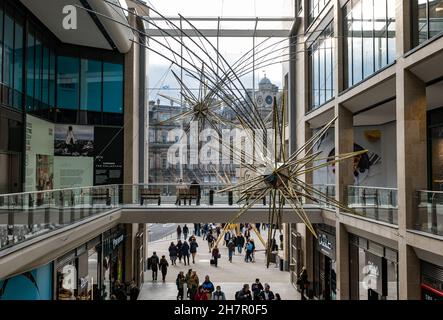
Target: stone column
{"x": 131, "y": 118}
{"x": 344, "y": 176}
{"x": 411, "y": 171}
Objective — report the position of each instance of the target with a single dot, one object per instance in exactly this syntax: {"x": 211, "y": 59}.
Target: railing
{"x": 329, "y": 191}
{"x": 373, "y": 202}
{"x": 429, "y": 215}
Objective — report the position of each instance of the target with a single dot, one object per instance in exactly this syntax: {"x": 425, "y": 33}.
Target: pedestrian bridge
{"x": 38, "y": 226}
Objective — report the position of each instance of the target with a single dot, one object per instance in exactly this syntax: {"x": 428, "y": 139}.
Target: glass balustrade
{"x": 373, "y": 202}
{"x": 429, "y": 212}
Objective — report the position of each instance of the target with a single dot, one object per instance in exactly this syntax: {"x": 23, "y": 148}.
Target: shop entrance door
{"x": 328, "y": 271}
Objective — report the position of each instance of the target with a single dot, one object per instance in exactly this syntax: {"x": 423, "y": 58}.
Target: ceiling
{"x": 50, "y": 12}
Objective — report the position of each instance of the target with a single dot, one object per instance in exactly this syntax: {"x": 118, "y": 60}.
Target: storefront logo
{"x": 371, "y": 274}
{"x": 70, "y": 19}
{"x": 324, "y": 242}
{"x": 117, "y": 241}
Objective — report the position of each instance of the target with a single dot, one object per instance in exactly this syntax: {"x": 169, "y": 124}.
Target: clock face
{"x": 269, "y": 100}
{"x": 259, "y": 100}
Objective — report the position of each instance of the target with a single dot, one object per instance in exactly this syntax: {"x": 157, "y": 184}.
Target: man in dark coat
{"x": 154, "y": 265}
{"x": 163, "y": 267}
{"x": 240, "y": 242}
{"x": 193, "y": 248}
{"x": 185, "y": 252}
{"x": 267, "y": 294}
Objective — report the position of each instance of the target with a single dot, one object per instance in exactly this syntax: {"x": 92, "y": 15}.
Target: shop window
{"x": 427, "y": 18}
{"x": 30, "y": 62}
{"x": 8, "y": 57}
{"x": 67, "y": 282}
{"x": 18, "y": 65}
{"x": 91, "y": 85}
{"x": 369, "y": 31}
{"x": 112, "y": 87}
{"x": 68, "y": 82}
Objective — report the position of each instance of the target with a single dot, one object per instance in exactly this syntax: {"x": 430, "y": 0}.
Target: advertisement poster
{"x": 75, "y": 141}
{"x": 39, "y": 150}
{"x": 108, "y": 168}
{"x": 44, "y": 172}
{"x": 72, "y": 172}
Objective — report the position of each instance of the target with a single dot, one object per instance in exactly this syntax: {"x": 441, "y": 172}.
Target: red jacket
{"x": 201, "y": 296}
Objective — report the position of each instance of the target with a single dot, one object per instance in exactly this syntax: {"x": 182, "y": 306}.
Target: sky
{"x": 230, "y": 48}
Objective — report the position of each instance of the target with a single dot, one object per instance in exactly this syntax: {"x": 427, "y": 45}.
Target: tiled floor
{"x": 230, "y": 276}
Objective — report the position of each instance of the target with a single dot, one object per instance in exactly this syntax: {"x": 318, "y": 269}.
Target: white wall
{"x": 381, "y": 173}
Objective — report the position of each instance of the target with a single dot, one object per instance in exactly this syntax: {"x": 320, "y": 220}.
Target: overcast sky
{"x": 230, "y": 48}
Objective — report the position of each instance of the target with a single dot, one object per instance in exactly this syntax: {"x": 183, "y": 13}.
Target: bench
{"x": 150, "y": 194}
{"x": 100, "y": 195}
{"x": 254, "y": 196}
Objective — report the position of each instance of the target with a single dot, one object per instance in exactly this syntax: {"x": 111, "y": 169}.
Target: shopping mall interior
{"x": 155, "y": 150}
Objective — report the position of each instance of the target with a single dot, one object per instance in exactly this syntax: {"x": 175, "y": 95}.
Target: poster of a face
{"x": 44, "y": 172}
{"x": 74, "y": 141}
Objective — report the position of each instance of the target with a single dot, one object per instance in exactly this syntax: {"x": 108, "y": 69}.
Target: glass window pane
{"x": 91, "y": 85}
{"x": 67, "y": 82}
{"x": 30, "y": 73}
{"x": 112, "y": 87}
{"x": 45, "y": 78}
{"x": 1, "y": 43}
{"x": 368, "y": 41}
{"x": 52, "y": 62}
{"x": 321, "y": 72}
{"x": 435, "y": 17}
{"x": 38, "y": 73}
{"x": 422, "y": 17}
{"x": 18, "y": 65}
{"x": 8, "y": 51}
{"x": 391, "y": 32}
{"x": 380, "y": 33}
{"x": 357, "y": 47}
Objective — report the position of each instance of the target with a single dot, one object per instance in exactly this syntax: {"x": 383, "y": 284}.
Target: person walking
{"x": 205, "y": 229}
{"x": 173, "y": 253}
{"x": 185, "y": 252}
{"x": 247, "y": 233}
{"x": 180, "y": 282}
{"x": 215, "y": 255}
{"x": 208, "y": 287}
{"x": 154, "y": 265}
{"x": 244, "y": 294}
{"x": 201, "y": 294}
{"x": 240, "y": 243}
{"x": 227, "y": 237}
{"x": 133, "y": 291}
{"x": 198, "y": 231}
{"x": 193, "y": 249}
{"x": 193, "y": 285}
{"x": 267, "y": 294}
{"x": 257, "y": 288}
{"x": 252, "y": 250}
{"x": 163, "y": 264}
{"x": 185, "y": 231}
{"x": 248, "y": 256}
{"x": 231, "y": 249}
{"x": 277, "y": 296}
{"x": 210, "y": 240}
{"x": 179, "y": 250}
{"x": 188, "y": 283}
{"x": 303, "y": 282}
{"x": 218, "y": 294}
{"x": 179, "y": 232}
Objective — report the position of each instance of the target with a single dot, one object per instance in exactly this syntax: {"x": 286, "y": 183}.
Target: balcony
{"x": 429, "y": 214}
{"x": 375, "y": 203}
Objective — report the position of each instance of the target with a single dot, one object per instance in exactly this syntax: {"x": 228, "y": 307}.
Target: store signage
{"x": 324, "y": 242}
{"x": 117, "y": 241}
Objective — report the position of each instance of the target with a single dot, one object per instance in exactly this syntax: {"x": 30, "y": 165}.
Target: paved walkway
{"x": 230, "y": 276}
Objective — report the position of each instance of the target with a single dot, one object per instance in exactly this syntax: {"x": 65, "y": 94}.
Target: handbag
{"x": 219, "y": 256}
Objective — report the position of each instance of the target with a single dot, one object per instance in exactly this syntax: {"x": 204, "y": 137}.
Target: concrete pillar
{"x": 344, "y": 176}
{"x": 411, "y": 171}
{"x": 131, "y": 117}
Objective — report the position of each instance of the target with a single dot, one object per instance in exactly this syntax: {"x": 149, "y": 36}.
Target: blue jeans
{"x": 239, "y": 247}
{"x": 230, "y": 254}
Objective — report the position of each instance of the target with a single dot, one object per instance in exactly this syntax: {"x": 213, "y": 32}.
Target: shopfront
{"x": 373, "y": 270}
{"x": 431, "y": 281}
{"x": 113, "y": 260}
{"x": 77, "y": 275}
{"x": 324, "y": 280}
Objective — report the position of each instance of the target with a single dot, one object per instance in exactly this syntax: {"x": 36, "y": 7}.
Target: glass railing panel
{"x": 429, "y": 212}
{"x": 374, "y": 203}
